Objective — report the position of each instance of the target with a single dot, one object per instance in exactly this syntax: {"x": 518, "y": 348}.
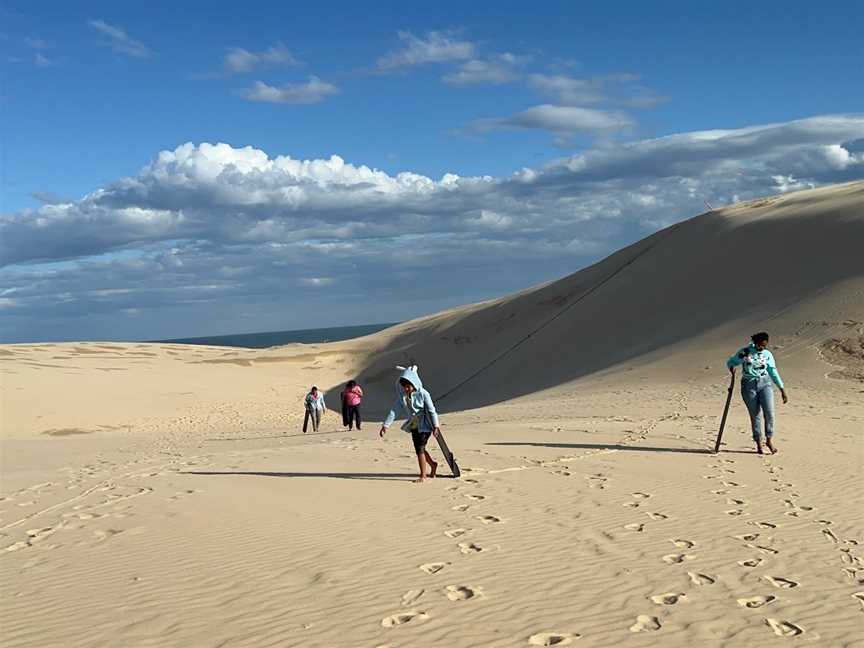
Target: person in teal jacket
{"x": 422, "y": 419}
{"x": 758, "y": 371}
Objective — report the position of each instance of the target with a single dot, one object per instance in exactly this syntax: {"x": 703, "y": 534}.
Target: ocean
{"x": 276, "y": 338}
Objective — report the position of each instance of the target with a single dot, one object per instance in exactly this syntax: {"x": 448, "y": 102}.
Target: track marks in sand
{"x": 412, "y": 616}
{"x": 455, "y": 533}
{"x": 552, "y": 639}
{"x": 750, "y": 563}
{"x": 781, "y": 583}
{"x": 462, "y": 592}
{"x": 635, "y": 526}
{"x": 701, "y": 579}
{"x": 411, "y": 596}
{"x": 682, "y": 544}
{"x": 433, "y": 568}
{"x": 756, "y": 601}
{"x": 784, "y": 628}
{"x": 470, "y": 548}
{"x": 669, "y": 598}
{"x": 677, "y": 559}
{"x": 645, "y": 623}
{"x": 489, "y": 519}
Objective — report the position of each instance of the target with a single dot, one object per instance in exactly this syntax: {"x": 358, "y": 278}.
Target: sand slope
{"x": 162, "y": 495}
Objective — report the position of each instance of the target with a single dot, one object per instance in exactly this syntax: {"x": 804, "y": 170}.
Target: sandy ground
{"x": 163, "y": 495}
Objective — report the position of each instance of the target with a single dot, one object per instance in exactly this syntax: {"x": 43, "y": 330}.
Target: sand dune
{"x": 163, "y": 495}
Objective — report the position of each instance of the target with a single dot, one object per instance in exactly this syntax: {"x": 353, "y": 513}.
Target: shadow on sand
{"x": 601, "y": 446}
{"x": 332, "y": 475}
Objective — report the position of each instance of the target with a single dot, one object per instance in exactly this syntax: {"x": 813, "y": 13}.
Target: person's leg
{"x": 750, "y": 394}
{"x": 420, "y": 440}
{"x": 316, "y": 420}
{"x": 305, "y": 421}
{"x": 357, "y": 414}
{"x": 766, "y": 400}
{"x": 431, "y": 462}
{"x": 344, "y": 414}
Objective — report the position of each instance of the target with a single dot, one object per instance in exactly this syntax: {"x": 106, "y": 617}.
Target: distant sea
{"x": 277, "y": 338}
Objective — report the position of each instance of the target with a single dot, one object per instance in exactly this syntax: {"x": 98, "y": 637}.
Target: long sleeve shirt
{"x": 756, "y": 364}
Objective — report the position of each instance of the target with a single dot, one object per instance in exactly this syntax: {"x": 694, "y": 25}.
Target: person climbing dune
{"x": 422, "y": 419}
{"x": 759, "y": 370}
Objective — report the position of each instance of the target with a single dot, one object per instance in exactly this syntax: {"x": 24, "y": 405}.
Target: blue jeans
{"x": 758, "y": 395}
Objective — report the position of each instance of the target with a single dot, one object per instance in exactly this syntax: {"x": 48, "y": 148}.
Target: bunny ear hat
{"x": 410, "y": 374}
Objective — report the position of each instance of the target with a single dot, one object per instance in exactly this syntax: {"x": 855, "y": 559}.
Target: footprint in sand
{"x": 468, "y": 480}
{"x": 645, "y": 623}
{"x": 669, "y": 598}
{"x": 828, "y": 533}
{"x": 764, "y": 549}
{"x": 764, "y": 525}
{"x": 630, "y": 504}
{"x": 747, "y": 537}
{"x": 782, "y": 583}
{"x": 433, "y": 568}
{"x": 674, "y": 559}
{"x": 552, "y": 639}
{"x": 682, "y": 544}
{"x": 734, "y": 512}
{"x": 750, "y": 563}
{"x": 402, "y": 618}
{"x": 859, "y": 596}
{"x": 462, "y": 592}
{"x": 736, "y": 502}
{"x": 719, "y": 491}
{"x": 488, "y": 519}
{"x": 635, "y": 526}
{"x": 455, "y": 533}
{"x": 475, "y": 498}
{"x": 460, "y": 507}
{"x": 784, "y": 628}
{"x": 756, "y": 601}
{"x": 469, "y": 548}
{"x": 701, "y": 579}
{"x": 731, "y": 484}
{"x": 640, "y": 495}
{"x": 411, "y": 596}
{"x": 657, "y": 516}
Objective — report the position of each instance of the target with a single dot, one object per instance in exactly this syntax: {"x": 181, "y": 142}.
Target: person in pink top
{"x": 352, "y": 396}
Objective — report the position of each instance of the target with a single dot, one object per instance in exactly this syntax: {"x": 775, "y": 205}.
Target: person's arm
{"x": 430, "y": 407}
{"x": 359, "y": 391}
{"x": 323, "y": 404}
{"x": 737, "y": 359}
{"x": 771, "y": 367}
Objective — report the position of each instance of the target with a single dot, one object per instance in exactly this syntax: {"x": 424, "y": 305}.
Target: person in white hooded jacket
{"x": 422, "y": 419}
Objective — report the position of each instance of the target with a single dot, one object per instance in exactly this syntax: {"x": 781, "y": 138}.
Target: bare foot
{"x": 759, "y": 448}
{"x": 434, "y": 470}
{"x": 770, "y": 446}
{"x": 419, "y": 480}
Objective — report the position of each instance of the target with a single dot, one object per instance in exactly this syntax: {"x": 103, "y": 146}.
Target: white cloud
{"x": 313, "y": 91}
{"x": 564, "y": 121}
{"x": 568, "y": 90}
{"x": 436, "y": 47}
{"x": 230, "y": 230}
{"x": 503, "y": 68}
{"x": 36, "y": 43}
{"x": 40, "y": 60}
{"x": 120, "y": 41}
{"x": 239, "y": 60}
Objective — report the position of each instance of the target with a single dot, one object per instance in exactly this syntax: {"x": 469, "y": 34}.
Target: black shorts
{"x": 420, "y": 439}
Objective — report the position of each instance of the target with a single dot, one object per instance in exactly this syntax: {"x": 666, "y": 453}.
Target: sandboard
{"x": 448, "y": 456}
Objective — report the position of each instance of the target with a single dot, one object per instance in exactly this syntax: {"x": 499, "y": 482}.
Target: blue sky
{"x": 111, "y": 231}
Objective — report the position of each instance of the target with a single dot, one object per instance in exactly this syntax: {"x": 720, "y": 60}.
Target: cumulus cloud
{"x": 239, "y": 60}
{"x": 435, "y": 47}
{"x": 231, "y": 230}
{"x": 313, "y": 91}
{"x": 120, "y": 41}
{"x": 503, "y": 68}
